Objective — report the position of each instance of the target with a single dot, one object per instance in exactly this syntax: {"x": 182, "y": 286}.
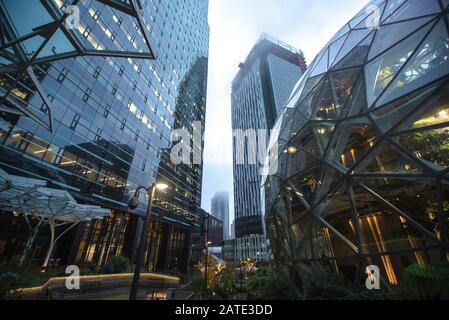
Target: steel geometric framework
{"x": 34, "y": 33}
{"x": 363, "y": 167}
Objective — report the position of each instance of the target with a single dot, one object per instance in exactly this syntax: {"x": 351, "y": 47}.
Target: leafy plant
{"x": 117, "y": 264}
{"x": 22, "y": 276}
{"x": 427, "y": 282}
{"x": 372, "y": 295}
{"x": 10, "y": 279}
{"x": 306, "y": 282}
{"x": 7, "y": 284}
{"x": 319, "y": 283}
{"x": 268, "y": 284}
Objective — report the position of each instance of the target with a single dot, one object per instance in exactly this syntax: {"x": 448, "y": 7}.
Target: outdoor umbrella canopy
{"x": 53, "y": 207}
{"x": 31, "y": 197}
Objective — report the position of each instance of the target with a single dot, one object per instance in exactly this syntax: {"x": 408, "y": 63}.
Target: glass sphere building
{"x": 363, "y": 147}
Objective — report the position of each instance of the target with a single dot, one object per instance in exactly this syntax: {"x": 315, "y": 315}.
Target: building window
{"x": 87, "y": 95}
{"x": 98, "y": 135}
{"x": 44, "y": 107}
{"x": 75, "y": 121}
{"x": 96, "y": 15}
{"x": 97, "y": 72}
{"x": 62, "y": 75}
{"x": 107, "y": 109}
{"x": 87, "y": 32}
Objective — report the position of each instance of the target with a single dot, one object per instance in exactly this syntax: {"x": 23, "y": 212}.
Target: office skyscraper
{"x": 259, "y": 93}
{"x": 111, "y": 123}
{"x": 220, "y": 209}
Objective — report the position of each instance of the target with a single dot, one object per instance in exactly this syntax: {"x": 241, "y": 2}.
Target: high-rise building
{"x": 232, "y": 230}
{"x": 253, "y": 247}
{"x": 259, "y": 94}
{"x": 365, "y": 148}
{"x": 220, "y": 209}
{"x": 103, "y": 127}
{"x": 215, "y": 232}
{"x": 228, "y": 252}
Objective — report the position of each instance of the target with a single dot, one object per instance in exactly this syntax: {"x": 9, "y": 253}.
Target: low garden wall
{"x": 55, "y": 288}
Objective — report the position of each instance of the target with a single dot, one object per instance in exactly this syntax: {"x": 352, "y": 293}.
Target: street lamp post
{"x": 133, "y": 204}
{"x": 241, "y": 275}
{"x": 206, "y": 240}
{"x": 207, "y": 263}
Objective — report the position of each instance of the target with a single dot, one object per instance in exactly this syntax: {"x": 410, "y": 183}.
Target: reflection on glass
{"x": 428, "y": 63}
{"x": 429, "y": 145}
{"x": 380, "y": 72}
{"x": 376, "y": 189}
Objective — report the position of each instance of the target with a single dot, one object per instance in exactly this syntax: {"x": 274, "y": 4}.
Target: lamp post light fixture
{"x": 207, "y": 263}
{"x": 206, "y": 250}
{"x": 133, "y": 205}
{"x": 241, "y": 274}
{"x": 208, "y": 243}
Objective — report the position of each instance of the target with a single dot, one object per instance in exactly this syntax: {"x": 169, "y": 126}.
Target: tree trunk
{"x": 51, "y": 246}
{"x": 54, "y": 240}
{"x": 29, "y": 245}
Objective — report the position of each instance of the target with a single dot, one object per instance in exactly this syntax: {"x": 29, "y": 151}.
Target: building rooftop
{"x": 267, "y": 43}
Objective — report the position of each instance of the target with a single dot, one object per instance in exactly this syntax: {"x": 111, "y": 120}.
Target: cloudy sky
{"x": 235, "y": 27}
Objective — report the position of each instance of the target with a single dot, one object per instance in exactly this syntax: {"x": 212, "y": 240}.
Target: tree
{"x": 220, "y": 277}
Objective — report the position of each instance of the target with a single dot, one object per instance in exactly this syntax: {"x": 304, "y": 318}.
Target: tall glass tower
{"x": 111, "y": 122}
{"x": 220, "y": 209}
{"x": 259, "y": 94}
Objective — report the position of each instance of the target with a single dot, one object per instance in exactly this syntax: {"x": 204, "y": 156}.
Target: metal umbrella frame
{"x": 52, "y": 207}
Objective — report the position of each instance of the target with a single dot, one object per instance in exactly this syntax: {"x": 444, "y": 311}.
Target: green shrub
{"x": 117, "y": 264}
{"x": 14, "y": 277}
{"x": 9, "y": 279}
{"x": 318, "y": 282}
{"x": 311, "y": 281}
{"x": 428, "y": 282}
{"x": 18, "y": 276}
{"x": 268, "y": 284}
{"x": 373, "y": 295}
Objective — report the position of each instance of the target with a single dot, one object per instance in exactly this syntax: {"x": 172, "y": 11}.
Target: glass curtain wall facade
{"x": 241, "y": 249}
{"x": 363, "y": 171}
{"x": 112, "y": 122}
{"x": 220, "y": 209}
{"x": 259, "y": 92}
{"x": 215, "y": 232}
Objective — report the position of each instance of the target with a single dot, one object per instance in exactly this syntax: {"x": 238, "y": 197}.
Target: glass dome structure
{"x": 363, "y": 161}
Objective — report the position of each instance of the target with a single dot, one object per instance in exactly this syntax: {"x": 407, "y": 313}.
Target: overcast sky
{"x": 235, "y": 26}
